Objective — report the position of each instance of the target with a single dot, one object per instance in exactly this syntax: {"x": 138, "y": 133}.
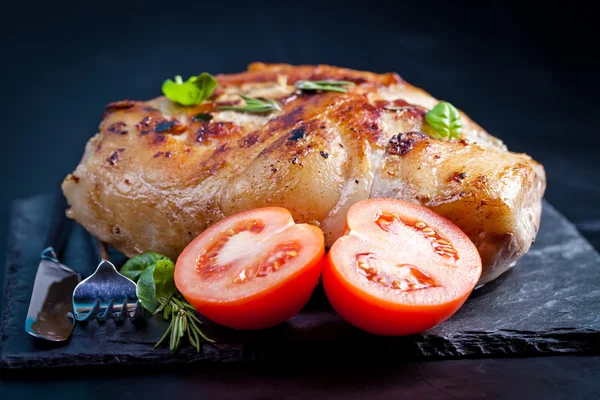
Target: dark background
{"x": 526, "y": 73}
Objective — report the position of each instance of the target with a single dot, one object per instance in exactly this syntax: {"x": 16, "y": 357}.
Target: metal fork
{"x": 106, "y": 293}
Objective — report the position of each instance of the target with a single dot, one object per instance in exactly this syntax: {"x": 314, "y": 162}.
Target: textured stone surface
{"x": 549, "y": 303}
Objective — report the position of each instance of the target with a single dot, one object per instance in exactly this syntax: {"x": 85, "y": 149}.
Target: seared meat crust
{"x": 158, "y": 174}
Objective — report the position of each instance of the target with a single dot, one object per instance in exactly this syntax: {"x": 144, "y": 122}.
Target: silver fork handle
{"x": 100, "y": 249}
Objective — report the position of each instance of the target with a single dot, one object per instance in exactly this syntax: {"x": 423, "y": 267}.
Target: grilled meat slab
{"x": 157, "y": 174}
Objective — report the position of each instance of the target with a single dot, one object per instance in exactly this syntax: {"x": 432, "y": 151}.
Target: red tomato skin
{"x": 267, "y": 309}
{"x": 372, "y": 315}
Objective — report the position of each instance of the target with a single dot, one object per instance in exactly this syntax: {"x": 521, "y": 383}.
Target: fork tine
{"x": 107, "y": 312}
{"x": 138, "y": 312}
{"x": 121, "y": 315}
{"x": 81, "y": 317}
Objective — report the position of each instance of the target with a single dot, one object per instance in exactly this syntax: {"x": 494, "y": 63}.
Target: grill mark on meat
{"x": 73, "y": 177}
{"x": 414, "y": 112}
{"x": 160, "y": 125}
{"x": 114, "y": 157}
{"x": 294, "y": 116}
{"x": 248, "y": 140}
{"x": 158, "y": 138}
{"x": 174, "y": 127}
{"x": 221, "y": 149}
{"x": 297, "y": 134}
{"x": 202, "y": 117}
{"x": 209, "y": 168}
{"x": 118, "y": 128}
{"x": 224, "y": 104}
{"x": 117, "y": 106}
{"x": 402, "y": 109}
{"x": 402, "y": 144}
{"x": 457, "y": 177}
{"x": 291, "y": 118}
{"x": 363, "y": 119}
{"x": 145, "y": 125}
{"x": 216, "y": 130}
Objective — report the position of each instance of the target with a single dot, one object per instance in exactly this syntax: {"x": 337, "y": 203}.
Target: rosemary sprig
{"x": 326, "y": 85}
{"x": 183, "y": 323}
{"x": 254, "y": 105}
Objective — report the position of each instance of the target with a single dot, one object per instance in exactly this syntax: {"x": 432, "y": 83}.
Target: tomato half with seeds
{"x": 400, "y": 268}
{"x": 253, "y": 270}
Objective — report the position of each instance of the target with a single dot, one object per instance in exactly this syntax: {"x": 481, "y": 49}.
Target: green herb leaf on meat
{"x": 191, "y": 92}
{"x": 328, "y": 85}
{"x": 445, "y": 120}
{"x": 254, "y": 105}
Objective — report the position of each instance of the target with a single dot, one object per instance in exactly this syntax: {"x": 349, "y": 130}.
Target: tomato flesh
{"x": 253, "y": 270}
{"x": 400, "y": 269}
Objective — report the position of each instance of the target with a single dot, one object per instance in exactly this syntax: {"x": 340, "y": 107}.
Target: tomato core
{"x": 394, "y": 224}
{"x": 396, "y": 276}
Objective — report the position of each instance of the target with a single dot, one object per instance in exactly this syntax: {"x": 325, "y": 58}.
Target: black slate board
{"x": 549, "y": 303}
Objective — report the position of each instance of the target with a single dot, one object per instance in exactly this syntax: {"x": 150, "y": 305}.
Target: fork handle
{"x": 102, "y": 250}
{"x": 99, "y": 249}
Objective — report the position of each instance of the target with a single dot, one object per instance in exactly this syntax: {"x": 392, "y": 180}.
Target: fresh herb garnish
{"x": 192, "y": 92}
{"x": 183, "y": 321}
{"x": 134, "y": 267}
{"x": 445, "y": 120}
{"x": 326, "y": 85}
{"x": 157, "y": 292}
{"x": 254, "y": 105}
{"x": 156, "y": 285}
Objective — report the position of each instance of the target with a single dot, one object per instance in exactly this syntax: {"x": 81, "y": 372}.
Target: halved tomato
{"x": 400, "y": 269}
{"x": 253, "y": 270}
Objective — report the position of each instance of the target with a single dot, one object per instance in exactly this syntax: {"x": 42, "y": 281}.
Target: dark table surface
{"x": 526, "y": 74}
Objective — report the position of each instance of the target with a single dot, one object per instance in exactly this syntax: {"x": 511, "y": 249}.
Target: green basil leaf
{"x": 445, "y": 120}
{"x": 157, "y": 285}
{"x": 164, "y": 281}
{"x": 146, "y": 291}
{"x": 206, "y": 84}
{"x": 134, "y": 267}
{"x": 192, "y": 92}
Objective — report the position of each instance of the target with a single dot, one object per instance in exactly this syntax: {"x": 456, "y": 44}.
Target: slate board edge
{"x": 506, "y": 344}
{"x": 7, "y": 278}
{"x": 467, "y": 345}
